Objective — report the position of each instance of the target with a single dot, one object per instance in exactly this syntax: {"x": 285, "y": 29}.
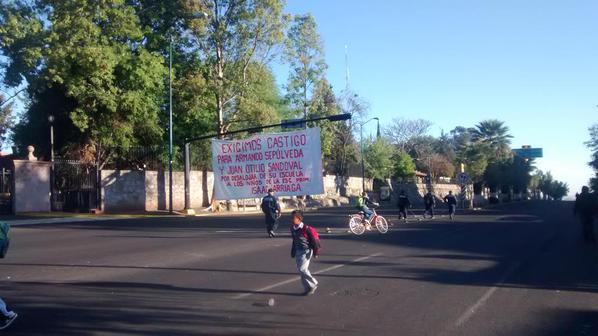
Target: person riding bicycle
{"x": 363, "y": 204}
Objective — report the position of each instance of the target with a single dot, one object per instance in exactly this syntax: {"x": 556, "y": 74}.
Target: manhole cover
{"x": 357, "y": 292}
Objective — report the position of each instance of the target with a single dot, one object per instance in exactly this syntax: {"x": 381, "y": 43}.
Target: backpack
{"x": 359, "y": 202}
{"x": 269, "y": 204}
{"x": 4, "y": 239}
{"x": 313, "y": 237}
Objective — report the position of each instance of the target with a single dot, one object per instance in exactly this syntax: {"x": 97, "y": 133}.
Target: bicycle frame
{"x": 372, "y": 218}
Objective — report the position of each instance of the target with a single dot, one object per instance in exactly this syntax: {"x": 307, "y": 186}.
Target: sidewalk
{"x": 61, "y": 217}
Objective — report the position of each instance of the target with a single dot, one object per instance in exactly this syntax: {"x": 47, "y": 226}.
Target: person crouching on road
{"x": 271, "y": 210}
{"x": 303, "y": 248}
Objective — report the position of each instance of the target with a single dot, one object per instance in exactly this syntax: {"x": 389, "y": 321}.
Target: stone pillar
{"x": 31, "y": 186}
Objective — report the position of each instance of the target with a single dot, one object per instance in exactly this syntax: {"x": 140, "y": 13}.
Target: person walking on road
{"x": 306, "y": 244}
{"x": 7, "y": 316}
{"x": 403, "y": 204}
{"x": 585, "y": 208}
{"x": 429, "y": 203}
{"x": 271, "y": 210}
{"x": 451, "y": 201}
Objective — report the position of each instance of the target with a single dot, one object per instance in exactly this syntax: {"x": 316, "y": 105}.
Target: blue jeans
{"x": 452, "y": 208}
{"x": 367, "y": 211}
{"x": 303, "y": 257}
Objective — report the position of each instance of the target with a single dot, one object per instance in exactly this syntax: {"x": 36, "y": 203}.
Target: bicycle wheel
{"x": 356, "y": 225}
{"x": 381, "y": 224}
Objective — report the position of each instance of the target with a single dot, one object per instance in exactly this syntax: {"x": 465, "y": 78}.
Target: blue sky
{"x": 532, "y": 64}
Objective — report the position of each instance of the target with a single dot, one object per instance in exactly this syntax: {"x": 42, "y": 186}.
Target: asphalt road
{"x": 516, "y": 270}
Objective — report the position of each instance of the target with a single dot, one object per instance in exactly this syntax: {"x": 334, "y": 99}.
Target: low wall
{"x": 125, "y": 190}
{"x": 416, "y": 192}
{"x": 31, "y": 186}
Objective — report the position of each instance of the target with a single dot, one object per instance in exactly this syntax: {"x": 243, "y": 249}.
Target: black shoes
{"x": 311, "y": 291}
{"x": 5, "y": 321}
{"x": 271, "y": 234}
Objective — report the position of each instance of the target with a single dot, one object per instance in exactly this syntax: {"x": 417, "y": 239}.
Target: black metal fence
{"x": 6, "y": 193}
{"x": 74, "y": 186}
{"x": 137, "y": 158}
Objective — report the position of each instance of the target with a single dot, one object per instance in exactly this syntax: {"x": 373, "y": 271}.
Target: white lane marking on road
{"x": 473, "y": 309}
{"x": 293, "y": 279}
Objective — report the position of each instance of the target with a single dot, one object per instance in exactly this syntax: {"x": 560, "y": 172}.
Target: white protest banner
{"x": 290, "y": 163}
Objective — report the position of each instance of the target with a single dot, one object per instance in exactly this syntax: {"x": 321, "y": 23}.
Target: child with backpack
{"x": 306, "y": 244}
{"x": 7, "y": 316}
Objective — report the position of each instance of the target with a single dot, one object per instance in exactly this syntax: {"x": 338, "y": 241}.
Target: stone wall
{"x": 148, "y": 191}
{"x": 31, "y": 186}
{"x": 344, "y": 186}
{"x": 124, "y": 190}
{"x": 416, "y": 191}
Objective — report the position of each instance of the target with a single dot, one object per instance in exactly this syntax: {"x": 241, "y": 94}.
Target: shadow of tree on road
{"x": 531, "y": 245}
{"x": 89, "y": 308}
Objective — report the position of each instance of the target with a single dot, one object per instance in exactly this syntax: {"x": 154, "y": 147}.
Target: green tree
{"x": 261, "y": 102}
{"x": 534, "y": 183}
{"x": 444, "y": 146}
{"x": 345, "y": 149}
{"x": 558, "y": 190}
{"x": 495, "y": 134}
{"x": 546, "y": 184}
{"x": 231, "y": 37}
{"x": 593, "y": 145}
{"x": 378, "y": 157}
{"x": 305, "y": 55}
{"x": 495, "y": 174}
{"x": 404, "y": 166}
{"x": 323, "y": 103}
{"x": 92, "y": 55}
{"x": 6, "y": 118}
{"x": 475, "y": 158}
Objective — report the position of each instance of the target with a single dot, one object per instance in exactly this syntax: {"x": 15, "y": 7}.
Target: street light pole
{"x": 361, "y": 145}
{"x": 170, "y": 127}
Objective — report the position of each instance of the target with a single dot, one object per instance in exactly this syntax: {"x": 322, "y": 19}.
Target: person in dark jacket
{"x": 403, "y": 204}
{"x": 451, "y": 202}
{"x": 429, "y": 203}
{"x": 271, "y": 210}
{"x": 585, "y": 208}
{"x": 303, "y": 248}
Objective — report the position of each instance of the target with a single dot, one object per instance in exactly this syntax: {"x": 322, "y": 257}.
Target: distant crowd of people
{"x": 429, "y": 204}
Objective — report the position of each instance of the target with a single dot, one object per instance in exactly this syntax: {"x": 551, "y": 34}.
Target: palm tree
{"x": 495, "y": 134}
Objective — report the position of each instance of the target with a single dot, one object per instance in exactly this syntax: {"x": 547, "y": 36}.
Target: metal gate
{"x": 6, "y": 176}
{"x": 75, "y": 186}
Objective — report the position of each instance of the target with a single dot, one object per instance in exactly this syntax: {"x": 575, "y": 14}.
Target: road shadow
{"x": 561, "y": 321}
{"x": 91, "y": 308}
{"x": 533, "y": 245}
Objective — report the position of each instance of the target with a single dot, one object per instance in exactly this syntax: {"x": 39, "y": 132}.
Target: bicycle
{"x": 358, "y": 223}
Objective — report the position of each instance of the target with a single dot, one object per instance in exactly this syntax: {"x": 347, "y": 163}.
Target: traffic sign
{"x": 463, "y": 178}
{"x": 528, "y": 153}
